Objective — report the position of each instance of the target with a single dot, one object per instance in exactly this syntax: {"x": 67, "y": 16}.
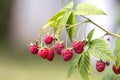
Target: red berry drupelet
{"x": 50, "y": 55}
{"x": 115, "y": 69}
{"x": 78, "y": 46}
{"x": 43, "y": 53}
{"x": 33, "y": 48}
{"x": 100, "y": 66}
{"x": 58, "y": 47}
{"x": 66, "y": 54}
{"x": 48, "y": 39}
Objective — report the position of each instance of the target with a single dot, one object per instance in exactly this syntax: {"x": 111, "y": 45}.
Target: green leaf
{"x": 88, "y": 9}
{"x": 90, "y": 34}
{"x": 69, "y": 6}
{"x": 110, "y": 76}
{"x": 71, "y": 21}
{"x": 62, "y": 21}
{"x": 59, "y": 15}
{"x": 99, "y": 48}
{"x": 73, "y": 67}
{"x": 84, "y": 66}
{"x": 55, "y": 19}
{"x": 48, "y": 24}
{"x": 117, "y": 50}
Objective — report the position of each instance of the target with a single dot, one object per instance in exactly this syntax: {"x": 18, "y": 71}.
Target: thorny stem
{"x": 107, "y": 32}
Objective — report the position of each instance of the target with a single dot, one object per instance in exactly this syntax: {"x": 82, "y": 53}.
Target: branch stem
{"x": 107, "y": 32}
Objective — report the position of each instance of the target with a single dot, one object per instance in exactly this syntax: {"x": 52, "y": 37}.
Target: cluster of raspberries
{"x": 57, "y": 47}
{"x": 66, "y": 53}
{"x": 100, "y": 66}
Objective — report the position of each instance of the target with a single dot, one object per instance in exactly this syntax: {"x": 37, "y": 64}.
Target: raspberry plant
{"x": 51, "y": 43}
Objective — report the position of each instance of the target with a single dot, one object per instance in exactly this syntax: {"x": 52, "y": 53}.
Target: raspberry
{"x": 43, "y": 53}
{"x": 66, "y": 54}
{"x": 58, "y": 47}
{"x": 100, "y": 66}
{"x": 48, "y": 39}
{"x": 33, "y": 49}
{"x": 116, "y": 70}
{"x": 78, "y": 46}
{"x": 50, "y": 55}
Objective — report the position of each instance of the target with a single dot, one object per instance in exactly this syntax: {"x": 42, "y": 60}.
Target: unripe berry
{"x": 66, "y": 54}
{"x": 100, "y": 66}
{"x": 33, "y": 49}
{"x": 50, "y": 55}
{"x": 43, "y": 53}
{"x": 78, "y": 46}
{"x": 115, "y": 69}
{"x": 58, "y": 47}
{"x": 48, "y": 39}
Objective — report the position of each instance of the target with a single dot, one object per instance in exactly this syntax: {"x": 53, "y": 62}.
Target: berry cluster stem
{"x": 107, "y": 32}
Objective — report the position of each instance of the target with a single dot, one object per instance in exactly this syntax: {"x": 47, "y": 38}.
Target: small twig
{"x": 76, "y": 24}
{"x": 107, "y": 32}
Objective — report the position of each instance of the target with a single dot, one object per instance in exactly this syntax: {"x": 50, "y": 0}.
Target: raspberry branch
{"x": 107, "y": 32}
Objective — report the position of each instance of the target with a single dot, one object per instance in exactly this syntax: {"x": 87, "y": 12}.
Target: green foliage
{"x": 69, "y": 6}
{"x": 82, "y": 61}
{"x": 71, "y": 30}
{"x": 73, "y": 67}
{"x": 117, "y": 51}
{"x": 88, "y": 9}
{"x": 90, "y": 34}
{"x": 66, "y": 18}
{"x": 62, "y": 21}
{"x": 58, "y": 21}
{"x": 84, "y": 65}
{"x": 99, "y": 48}
{"x": 111, "y": 76}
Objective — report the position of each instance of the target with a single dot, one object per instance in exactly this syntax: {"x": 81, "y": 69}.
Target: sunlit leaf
{"x": 84, "y": 65}
{"x": 99, "y": 48}
{"x": 117, "y": 50}
{"x": 88, "y": 9}
{"x": 90, "y": 34}
{"x": 71, "y": 21}
{"x": 73, "y": 67}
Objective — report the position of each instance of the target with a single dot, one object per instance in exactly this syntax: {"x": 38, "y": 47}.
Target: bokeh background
{"x": 20, "y": 21}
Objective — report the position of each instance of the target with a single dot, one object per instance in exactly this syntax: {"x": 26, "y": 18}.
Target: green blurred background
{"x": 16, "y": 63}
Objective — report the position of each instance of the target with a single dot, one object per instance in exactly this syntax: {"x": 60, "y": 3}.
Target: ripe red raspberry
{"x": 48, "y": 39}
{"x": 78, "y": 46}
{"x": 100, "y": 66}
{"x": 66, "y": 54}
{"x": 50, "y": 55}
{"x": 58, "y": 47}
{"x": 43, "y": 53}
{"x": 33, "y": 49}
{"x": 116, "y": 70}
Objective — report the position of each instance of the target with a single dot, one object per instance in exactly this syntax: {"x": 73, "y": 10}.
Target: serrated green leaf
{"x": 90, "y": 34}
{"x": 71, "y": 31}
{"x": 84, "y": 66}
{"x": 59, "y": 15}
{"x": 88, "y": 9}
{"x": 48, "y": 24}
{"x": 73, "y": 67}
{"x": 99, "y": 48}
{"x": 62, "y": 21}
{"x": 55, "y": 19}
{"x": 69, "y": 6}
{"x": 117, "y": 50}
